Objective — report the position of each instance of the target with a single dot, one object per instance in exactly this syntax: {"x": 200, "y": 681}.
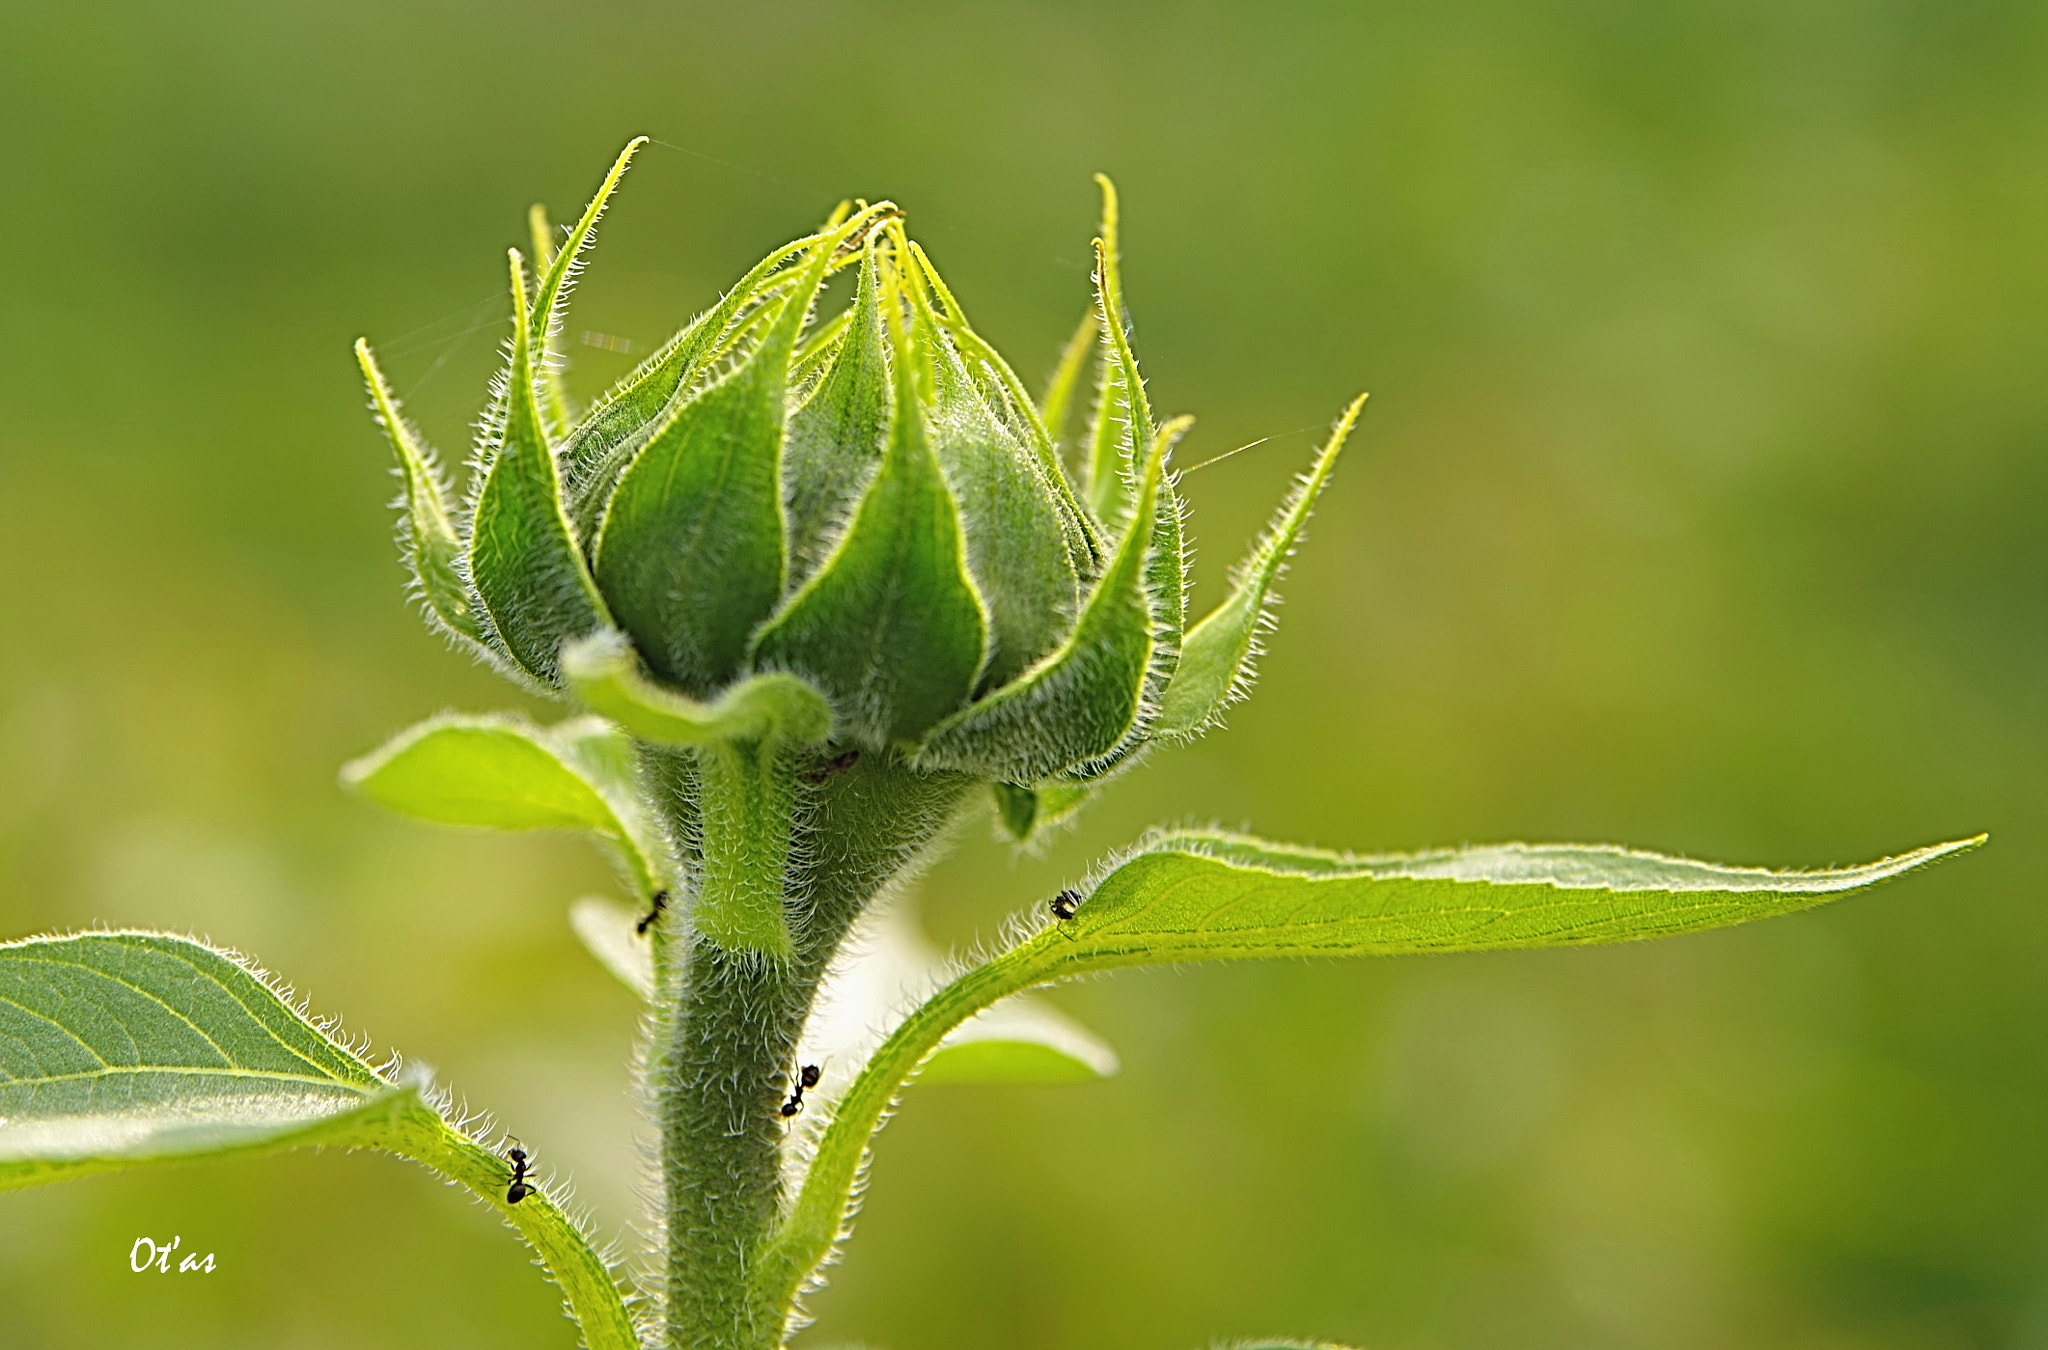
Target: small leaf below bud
{"x": 604, "y": 672}
{"x": 504, "y": 773}
{"x": 1024, "y": 812}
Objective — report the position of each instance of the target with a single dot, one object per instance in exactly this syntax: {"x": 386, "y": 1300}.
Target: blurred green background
{"x": 1697, "y": 507}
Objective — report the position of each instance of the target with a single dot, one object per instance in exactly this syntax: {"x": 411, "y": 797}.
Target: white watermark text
{"x": 150, "y": 1255}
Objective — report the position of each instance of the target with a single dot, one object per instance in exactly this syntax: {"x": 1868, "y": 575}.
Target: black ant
{"x": 1065, "y": 903}
{"x": 807, "y": 1077}
{"x": 836, "y": 765}
{"x": 518, "y": 1190}
{"x": 647, "y": 921}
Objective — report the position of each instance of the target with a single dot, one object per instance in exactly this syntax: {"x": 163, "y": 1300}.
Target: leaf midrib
{"x": 196, "y": 1071}
{"x": 207, "y": 976}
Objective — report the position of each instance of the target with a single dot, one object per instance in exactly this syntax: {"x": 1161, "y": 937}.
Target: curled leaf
{"x": 604, "y": 672}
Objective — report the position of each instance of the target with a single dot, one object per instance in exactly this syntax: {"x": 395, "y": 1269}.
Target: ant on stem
{"x": 806, "y": 1078}
{"x": 521, "y": 1170}
{"x": 647, "y": 920}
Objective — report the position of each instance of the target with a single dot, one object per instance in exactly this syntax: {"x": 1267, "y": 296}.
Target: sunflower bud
{"x": 859, "y": 523}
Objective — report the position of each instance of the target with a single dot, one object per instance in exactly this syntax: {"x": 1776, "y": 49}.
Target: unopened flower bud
{"x": 865, "y": 504}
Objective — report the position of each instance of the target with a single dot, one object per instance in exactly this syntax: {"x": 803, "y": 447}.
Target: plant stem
{"x": 721, "y": 1066}
{"x": 728, "y": 1045}
{"x": 589, "y": 1290}
{"x": 726, "y": 1071}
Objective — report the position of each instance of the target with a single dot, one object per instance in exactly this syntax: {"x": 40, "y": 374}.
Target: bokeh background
{"x": 1698, "y": 507}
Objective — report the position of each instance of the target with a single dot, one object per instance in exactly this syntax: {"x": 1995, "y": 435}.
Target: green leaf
{"x": 891, "y": 627}
{"x": 1016, "y": 809}
{"x": 1196, "y": 896}
{"x": 1021, "y": 1061}
{"x": 1084, "y": 700}
{"x": 692, "y": 552}
{"x": 604, "y": 672}
{"x": 426, "y": 533}
{"x": 1216, "y": 659}
{"x": 1021, "y": 1041}
{"x": 1026, "y": 811}
{"x": 124, "y": 1049}
{"x": 1201, "y": 896}
{"x": 505, "y": 773}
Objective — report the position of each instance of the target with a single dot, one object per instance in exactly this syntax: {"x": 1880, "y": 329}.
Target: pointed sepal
{"x": 523, "y": 556}
{"x": 1086, "y": 700}
{"x": 1066, "y": 376}
{"x": 1217, "y": 657}
{"x": 891, "y": 627}
{"x": 1027, "y": 812}
{"x": 614, "y": 432}
{"x": 426, "y": 530}
{"x": 1009, "y": 403}
{"x": 692, "y": 551}
{"x": 1123, "y": 424}
{"x": 1017, "y": 544}
{"x": 547, "y": 374}
{"x": 994, "y": 408}
{"x": 837, "y": 435}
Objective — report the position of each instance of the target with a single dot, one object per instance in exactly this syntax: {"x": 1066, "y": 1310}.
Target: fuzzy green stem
{"x": 728, "y": 1044}
{"x": 820, "y": 840}
{"x": 726, "y": 1074}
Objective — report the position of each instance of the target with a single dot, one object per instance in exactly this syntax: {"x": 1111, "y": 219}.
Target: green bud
{"x": 786, "y": 517}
